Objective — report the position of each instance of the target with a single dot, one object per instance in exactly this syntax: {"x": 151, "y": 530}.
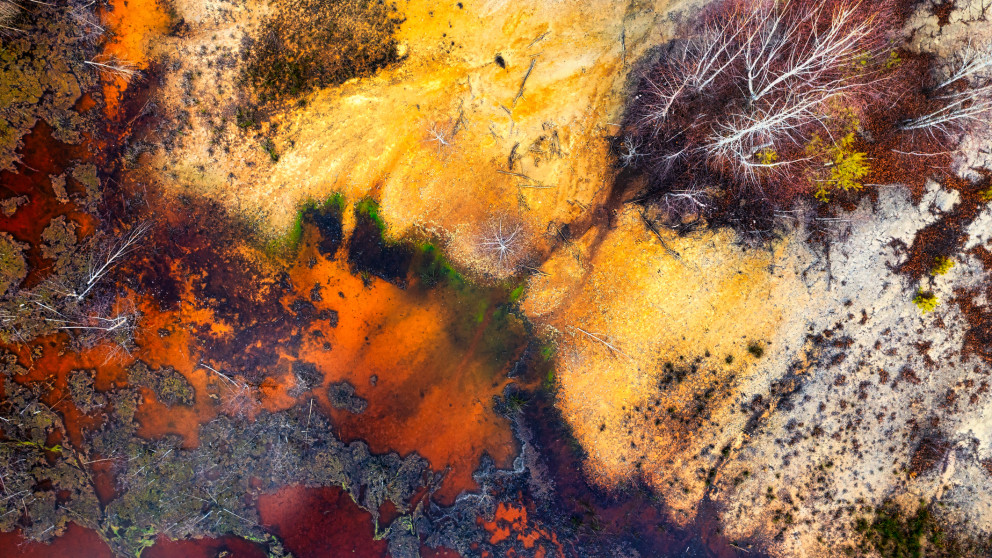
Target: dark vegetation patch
{"x": 370, "y": 252}
{"x": 327, "y": 218}
{"x": 163, "y": 489}
{"x": 310, "y": 44}
{"x": 198, "y": 242}
{"x": 669, "y": 151}
{"x": 342, "y": 396}
{"x": 169, "y": 386}
{"x": 893, "y": 533}
{"x": 433, "y": 268}
{"x": 945, "y": 237}
{"x": 929, "y": 452}
{"x": 307, "y": 376}
{"x": 978, "y": 335}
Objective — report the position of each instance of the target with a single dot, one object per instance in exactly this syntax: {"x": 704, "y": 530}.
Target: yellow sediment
{"x": 627, "y": 307}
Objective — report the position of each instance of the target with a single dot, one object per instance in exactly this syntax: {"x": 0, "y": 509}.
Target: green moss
{"x": 518, "y": 292}
{"x": 433, "y": 268}
{"x": 755, "y": 348}
{"x": 369, "y": 208}
{"x": 246, "y": 118}
{"x": 270, "y": 147}
{"x": 290, "y": 241}
{"x": 548, "y": 351}
{"x": 13, "y": 265}
{"x": 986, "y": 194}
{"x": 169, "y": 386}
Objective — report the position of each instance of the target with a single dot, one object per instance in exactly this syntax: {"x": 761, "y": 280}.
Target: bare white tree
{"x": 679, "y": 203}
{"x": 102, "y": 261}
{"x": 963, "y": 108}
{"x": 630, "y": 151}
{"x": 774, "y": 69}
{"x": 8, "y": 11}
{"x": 503, "y": 242}
{"x": 115, "y": 67}
{"x": 786, "y": 51}
{"x": 970, "y": 104}
{"x": 969, "y": 62}
{"x": 741, "y": 136}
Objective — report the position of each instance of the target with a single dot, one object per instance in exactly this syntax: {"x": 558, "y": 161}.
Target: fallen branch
{"x": 520, "y": 92}
{"x": 600, "y": 338}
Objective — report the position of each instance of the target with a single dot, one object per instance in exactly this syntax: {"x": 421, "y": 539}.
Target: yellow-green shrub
{"x": 926, "y": 301}
{"x": 941, "y": 265}
{"x": 844, "y": 168}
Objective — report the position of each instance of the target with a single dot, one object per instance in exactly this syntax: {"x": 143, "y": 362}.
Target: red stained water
{"x": 316, "y": 523}
{"x": 42, "y": 156}
{"x": 76, "y": 542}
{"x": 135, "y": 24}
{"x": 432, "y": 395}
{"x": 510, "y": 522}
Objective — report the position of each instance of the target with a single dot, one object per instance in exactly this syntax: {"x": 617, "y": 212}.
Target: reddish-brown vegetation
{"x": 740, "y": 116}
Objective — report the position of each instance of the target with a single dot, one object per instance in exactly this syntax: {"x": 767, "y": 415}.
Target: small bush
{"x": 941, "y": 265}
{"x": 926, "y": 301}
{"x": 843, "y": 166}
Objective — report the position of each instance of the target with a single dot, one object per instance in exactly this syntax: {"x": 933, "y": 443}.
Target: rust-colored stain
{"x": 431, "y": 394}
{"x": 510, "y": 522}
{"x": 134, "y": 23}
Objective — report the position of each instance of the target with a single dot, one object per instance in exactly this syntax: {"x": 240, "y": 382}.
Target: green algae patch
{"x": 433, "y": 268}
{"x": 326, "y": 215}
{"x": 371, "y": 252}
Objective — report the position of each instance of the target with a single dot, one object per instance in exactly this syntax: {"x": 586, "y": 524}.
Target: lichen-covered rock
{"x": 59, "y": 240}
{"x": 44, "y": 489}
{"x": 86, "y": 174}
{"x": 9, "y": 366}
